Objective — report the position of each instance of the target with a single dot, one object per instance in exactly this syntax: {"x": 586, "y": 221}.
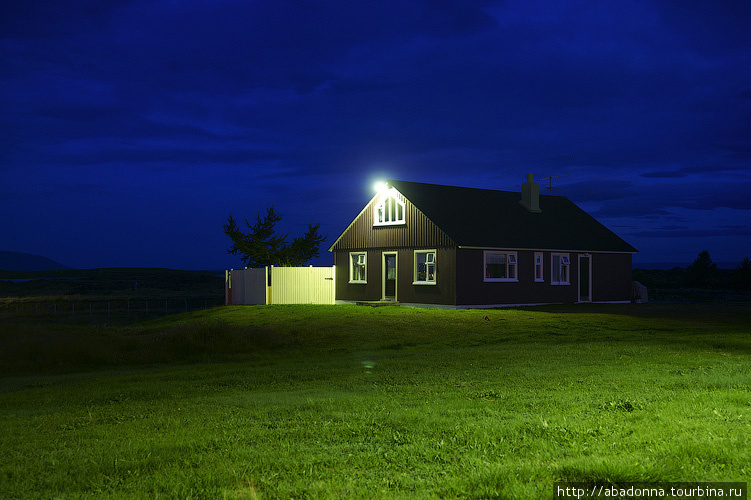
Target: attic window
{"x": 389, "y": 211}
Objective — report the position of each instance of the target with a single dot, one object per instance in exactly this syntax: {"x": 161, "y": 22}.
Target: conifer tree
{"x": 743, "y": 273}
{"x": 259, "y": 246}
{"x": 702, "y": 272}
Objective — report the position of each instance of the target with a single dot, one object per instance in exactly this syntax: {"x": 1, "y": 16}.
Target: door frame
{"x": 384, "y": 269}
{"x": 589, "y": 277}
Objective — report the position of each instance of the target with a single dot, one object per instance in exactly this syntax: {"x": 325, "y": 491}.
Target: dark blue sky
{"x": 129, "y": 130}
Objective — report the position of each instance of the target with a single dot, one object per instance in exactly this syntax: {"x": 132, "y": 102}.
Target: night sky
{"x": 129, "y": 130}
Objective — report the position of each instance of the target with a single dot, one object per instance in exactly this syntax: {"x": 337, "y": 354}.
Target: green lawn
{"x": 357, "y": 402}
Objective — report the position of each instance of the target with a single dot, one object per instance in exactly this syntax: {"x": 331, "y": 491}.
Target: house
{"x": 445, "y": 246}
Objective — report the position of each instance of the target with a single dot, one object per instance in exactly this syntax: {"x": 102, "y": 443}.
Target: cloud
{"x": 692, "y": 233}
{"x": 643, "y": 104}
{"x": 600, "y": 190}
{"x": 740, "y": 150}
{"x": 662, "y": 175}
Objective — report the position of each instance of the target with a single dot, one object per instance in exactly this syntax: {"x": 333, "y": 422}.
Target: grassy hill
{"x": 262, "y": 402}
{"x": 18, "y": 261}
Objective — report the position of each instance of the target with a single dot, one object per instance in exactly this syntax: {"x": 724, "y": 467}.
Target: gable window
{"x": 424, "y": 267}
{"x": 538, "y": 267}
{"x": 358, "y": 267}
{"x": 500, "y": 266}
{"x": 389, "y": 211}
{"x": 560, "y": 269}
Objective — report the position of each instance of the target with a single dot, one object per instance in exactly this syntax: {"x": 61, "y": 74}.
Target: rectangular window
{"x": 500, "y": 266}
{"x": 358, "y": 268}
{"x": 560, "y": 269}
{"x": 538, "y": 267}
{"x": 425, "y": 267}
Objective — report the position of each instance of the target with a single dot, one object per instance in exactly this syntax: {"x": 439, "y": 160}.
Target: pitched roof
{"x": 495, "y": 219}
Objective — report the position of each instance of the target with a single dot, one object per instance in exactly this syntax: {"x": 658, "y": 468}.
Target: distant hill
{"x": 18, "y": 261}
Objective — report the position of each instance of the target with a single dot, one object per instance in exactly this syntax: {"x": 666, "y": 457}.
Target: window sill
{"x": 539, "y": 281}
{"x": 423, "y": 282}
{"x": 357, "y": 282}
{"x": 387, "y": 224}
{"x": 557, "y": 283}
{"x": 500, "y": 280}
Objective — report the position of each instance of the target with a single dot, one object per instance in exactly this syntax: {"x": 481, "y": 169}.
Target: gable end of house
{"x": 384, "y": 223}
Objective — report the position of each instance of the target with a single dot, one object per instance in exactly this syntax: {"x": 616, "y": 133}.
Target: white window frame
{"x": 511, "y": 263}
{"x": 560, "y": 262}
{"x": 364, "y": 263}
{"x": 426, "y": 281}
{"x": 390, "y": 210}
{"x": 539, "y": 269}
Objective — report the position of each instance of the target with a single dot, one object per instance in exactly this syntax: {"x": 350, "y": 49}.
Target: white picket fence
{"x": 280, "y": 285}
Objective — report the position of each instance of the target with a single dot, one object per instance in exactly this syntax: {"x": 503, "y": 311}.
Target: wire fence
{"x": 107, "y": 307}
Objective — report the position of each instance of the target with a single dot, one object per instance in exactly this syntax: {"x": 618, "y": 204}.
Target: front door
{"x": 389, "y": 276}
{"x": 585, "y": 278}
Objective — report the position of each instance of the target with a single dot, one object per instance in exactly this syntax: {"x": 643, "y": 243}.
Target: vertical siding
{"x": 611, "y": 277}
{"x": 248, "y": 286}
{"x": 302, "y": 285}
{"x": 418, "y": 231}
{"x": 289, "y": 285}
{"x": 611, "y": 280}
{"x": 370, "y": 290}
{"x": 443, "y": 292}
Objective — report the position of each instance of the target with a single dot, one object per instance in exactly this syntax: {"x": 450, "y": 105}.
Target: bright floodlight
{"x": 380, "y": 186}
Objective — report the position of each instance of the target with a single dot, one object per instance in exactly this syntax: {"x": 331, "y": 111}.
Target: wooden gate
{"x": 281, "y": 285}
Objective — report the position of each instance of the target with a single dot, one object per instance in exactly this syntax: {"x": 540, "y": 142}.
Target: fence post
{"x": 227, "y": 287}
{"x": 55, "y": 308}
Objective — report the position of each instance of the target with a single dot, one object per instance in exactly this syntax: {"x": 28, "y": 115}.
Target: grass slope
{"x": 348, "y": 402}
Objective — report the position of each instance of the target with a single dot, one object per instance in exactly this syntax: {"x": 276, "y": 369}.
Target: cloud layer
{"x": 130, "y": 129}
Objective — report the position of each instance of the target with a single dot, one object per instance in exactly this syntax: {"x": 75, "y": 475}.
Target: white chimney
{"x": 531, "y": 195}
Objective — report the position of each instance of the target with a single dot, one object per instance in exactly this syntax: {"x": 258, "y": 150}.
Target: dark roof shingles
{"x": 495, "y": 219}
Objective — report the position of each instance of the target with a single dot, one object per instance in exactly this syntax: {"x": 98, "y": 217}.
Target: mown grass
{"x": 348, "y": 402}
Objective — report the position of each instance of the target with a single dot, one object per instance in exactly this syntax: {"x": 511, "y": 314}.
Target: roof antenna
{"x": 549, "y": 187}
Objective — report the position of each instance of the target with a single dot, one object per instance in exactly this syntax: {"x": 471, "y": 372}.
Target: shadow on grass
{"x": 66, "y": 348}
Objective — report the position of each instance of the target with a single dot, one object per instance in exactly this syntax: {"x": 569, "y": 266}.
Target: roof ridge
{"x": 389, "y": 181}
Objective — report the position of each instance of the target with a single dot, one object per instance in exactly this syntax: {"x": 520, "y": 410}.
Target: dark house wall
{"x": 460, "y": 282}
{"x": 611, "y": 277}
{"x": 419, "y": 233}
{"x": 357, "y": 291}
{"x": 443, "y": 292}
{"x": 611, "y": 280}
{"x": 472, "y": 290}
